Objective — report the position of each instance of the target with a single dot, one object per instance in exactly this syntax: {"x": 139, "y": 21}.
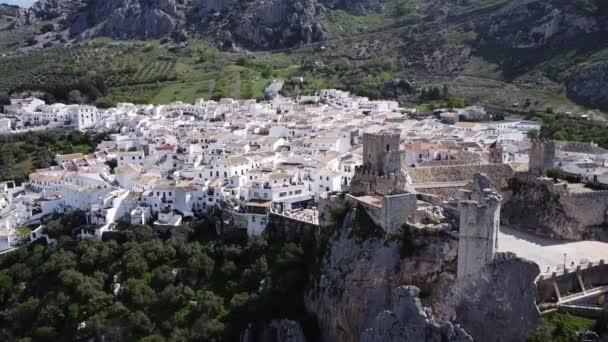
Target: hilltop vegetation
{"x": 21, "y": 154}
{"x": 142, "y": 287}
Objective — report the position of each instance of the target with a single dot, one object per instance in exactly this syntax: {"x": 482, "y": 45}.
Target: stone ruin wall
{"x": 397, "y": 209}
{"x": 587, "y": 209}
{"x": 551, "y": 210}
{"x": 365, "y": 182}
{"x": 393, "y": 212}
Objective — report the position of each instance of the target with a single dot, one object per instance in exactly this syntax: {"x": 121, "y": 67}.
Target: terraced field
{"x": 144, "y": 71}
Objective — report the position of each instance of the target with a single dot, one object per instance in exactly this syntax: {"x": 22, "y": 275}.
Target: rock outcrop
{"x": 587, "y": 85}
{"x": 554, "y": 209}
{"x": 503, "y": 293}
{"x": 407, "y": 320}
{"x": 283, "y": 331}
{"x": 538, "y": 23}
{"x": 367, "y": 290}
{"x": 359, "y": 277}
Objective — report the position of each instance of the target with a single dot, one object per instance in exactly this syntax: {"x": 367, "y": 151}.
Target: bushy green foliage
{"x": 337, "y": 213}
{"x": 200, "y": 289}
{"x": 564, "y": 128}
{"x": 556, "y": 174}
{"x": 21, "y": 154}
{"x": 560, "y": 328}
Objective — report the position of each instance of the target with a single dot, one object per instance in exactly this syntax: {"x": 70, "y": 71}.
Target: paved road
{"x": 550, "y": 253}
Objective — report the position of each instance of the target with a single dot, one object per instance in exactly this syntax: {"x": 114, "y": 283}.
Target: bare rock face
{"x": 283, "y": 331}
{"x": 535, "y": 24}
{"x": 361, "y": 278}
{"x": 407, "y": 320}
{"x": 373, "y": 288}
{"x": 587, "y": 85}
{"x": 497, "y": 304}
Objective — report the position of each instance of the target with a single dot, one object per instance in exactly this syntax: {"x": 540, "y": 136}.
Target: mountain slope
{"x": 493, "y": 51}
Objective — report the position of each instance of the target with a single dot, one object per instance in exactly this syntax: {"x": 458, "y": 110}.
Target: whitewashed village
{"x": 290, "y": 159}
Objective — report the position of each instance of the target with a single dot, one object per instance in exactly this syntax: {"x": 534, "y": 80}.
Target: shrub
{"x": 47, "y": 28}
{"x": 337, "y": 213}
{"x": 556, "y": 174}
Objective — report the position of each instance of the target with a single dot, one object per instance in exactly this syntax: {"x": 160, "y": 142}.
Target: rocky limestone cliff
{"x": 283, "y": 331}
{"x": 537, "y": 23}
{"x": 496, "y": 304}
{"x": 587, "y": 85}
{"x": 359, "y": 294}
{"x": 406, "y": 320}
{"x": 554, "y": 210}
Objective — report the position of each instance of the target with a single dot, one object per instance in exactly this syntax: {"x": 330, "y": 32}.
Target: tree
{"x": 445, "y": 92}
{"x": 555, "y": 174}
{"x": 456, "y": 102}
{"x": 533, "y": 134}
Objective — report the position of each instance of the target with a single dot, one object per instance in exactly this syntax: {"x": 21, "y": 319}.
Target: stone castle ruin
{"x": 542, "y": 156}
{"x": 378, "y": 186}
{"x": 557, "y": 210}
{"x": 382, "y": 171}
{"x": 563, "y": 210}
{"x": 479, "y": 226}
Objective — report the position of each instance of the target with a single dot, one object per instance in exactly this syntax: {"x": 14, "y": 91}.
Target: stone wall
{"x": 366, "y": 182}
{"x": 391, "y": 214}
{"x": 396, "y": 210}
{"x": 587, "y": 209}
{"x": 592, "y": 275}
{"x": 550, "y": 209}
{"x": 286, "y": 229}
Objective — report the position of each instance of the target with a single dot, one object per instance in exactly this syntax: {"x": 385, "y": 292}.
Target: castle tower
{"x": 479, "y": 225}
{"x": 381, "y": 172}
{"x": 541, "y": 156}
{"x": 496, "y": 153}
{"x": 381, "y": 153}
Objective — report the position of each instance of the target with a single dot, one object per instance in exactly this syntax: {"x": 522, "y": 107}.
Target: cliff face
{"x": 538, "y": 23}
{"x": 554, "y": 211}
{"x": 360, "y": 279}
{"x": 587, "y": 85}
{"x": 496, "y": 304}
{"x": 257, "y": 24}
{"x": 365, "y": 291}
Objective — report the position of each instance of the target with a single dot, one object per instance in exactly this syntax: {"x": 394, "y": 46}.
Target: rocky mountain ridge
{"x": 557, "y": 42}
{"x": 255, "y": 24}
